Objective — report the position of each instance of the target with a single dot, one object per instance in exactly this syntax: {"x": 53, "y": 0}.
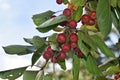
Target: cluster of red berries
{"x": 117, "y": 76}
{"x": 66, "y": 43}
{"x": 89, "y": 19}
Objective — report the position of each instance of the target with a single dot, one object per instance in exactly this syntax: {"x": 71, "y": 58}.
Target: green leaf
{"x": 112, "y": 70}
{"x": 18, "y": 49}
{"x": 93, "y": 5}
{"x": 104, "y": 17}
{"x": 29, "y": 75}
{"x": 78, "y": 13}
{"x": 76, "y": 67}
{"x": 28, "y": 40}
{"x": 113, "y": 3}
{"x": 42, "y": 17}
{"x": 48, "y": 77}
{"x": 51, "y": 23}
{"x": 118, "y": 3}
{"x": 40, "y": 75}
{"x": 52, "y": 38}
{"x": 12, "y": 74}
{"x": 65, "y": 1}
{"x": 102, "y": 46}
{"x": 87, "y": 39}
{"x": 78, "y": 2}
{"x": 81, "y": 45}
{"x": 91, "y": 65}
{"x": 109, "y": 63}
{"x": 38, "y": 42}
{"x": 115, "y": 20}
{"x": 62, "y": 64}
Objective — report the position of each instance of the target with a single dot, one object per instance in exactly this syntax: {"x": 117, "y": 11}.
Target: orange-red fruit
{"x": 62, "y": 55}
{"x": 73, "y": 37}
{"x": 93, "y": 14}
{"x": 54, "y": 59}
{"x": 73, "y": 44}
{"x": 61, "y": 38}
{"x": 72, "y": 23}
{"x": 46, "y": 55}
{"x": 67, "y": 12}
{"x": 59, "y": 1}
{"x": 49, "y": 49}
{"x": 85, "y": 19}
{"x": 66, "y": 47}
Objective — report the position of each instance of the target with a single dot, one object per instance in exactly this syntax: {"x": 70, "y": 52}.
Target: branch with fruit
{"x": 77, "y": 33}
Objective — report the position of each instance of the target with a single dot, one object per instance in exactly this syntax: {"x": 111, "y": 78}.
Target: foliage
{"x": 86, "y": 52}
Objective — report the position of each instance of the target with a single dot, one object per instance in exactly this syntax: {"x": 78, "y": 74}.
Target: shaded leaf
{"x": 76, "y": 67}
{"x": 13, "y": 73}
{"x": 102, "y": 46}
{"x": 62, "y": 64}
{"x": 91, "y": 65}
{"x": 104, "y": 17}
{"x": 42, "y": 17}
{"x": 18, "y": 49}
{"x": 38, "y": 42}
{"x": 29, "y": 75}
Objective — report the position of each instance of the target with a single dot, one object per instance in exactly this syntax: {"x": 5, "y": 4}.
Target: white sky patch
{"x": 4, "y": 6}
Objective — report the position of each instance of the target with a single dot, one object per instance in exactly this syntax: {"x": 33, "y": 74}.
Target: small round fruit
{"x": 72, "y": 23}
{"x": 93, "y": 14}
{"x": 85, "y": 19}
{"x": 73, "y": 44}
{"x": 49, "y": 49}
{"x": 67, "y": 12}
{"x": 76, "y": 49}
{"x": 63, "y": 23}
{"x": 91, "y": 22}
{"x": 61, "y": 38}
{"x": 54, "y": 59}
{"x": 59, "y": 1}
{"x": 80, "y": 54}
{"x": 46, "y": 55}
{"x": 62, "y": 55}
{"x": 73, "y": 37}
{"x": 65, "y": 47}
